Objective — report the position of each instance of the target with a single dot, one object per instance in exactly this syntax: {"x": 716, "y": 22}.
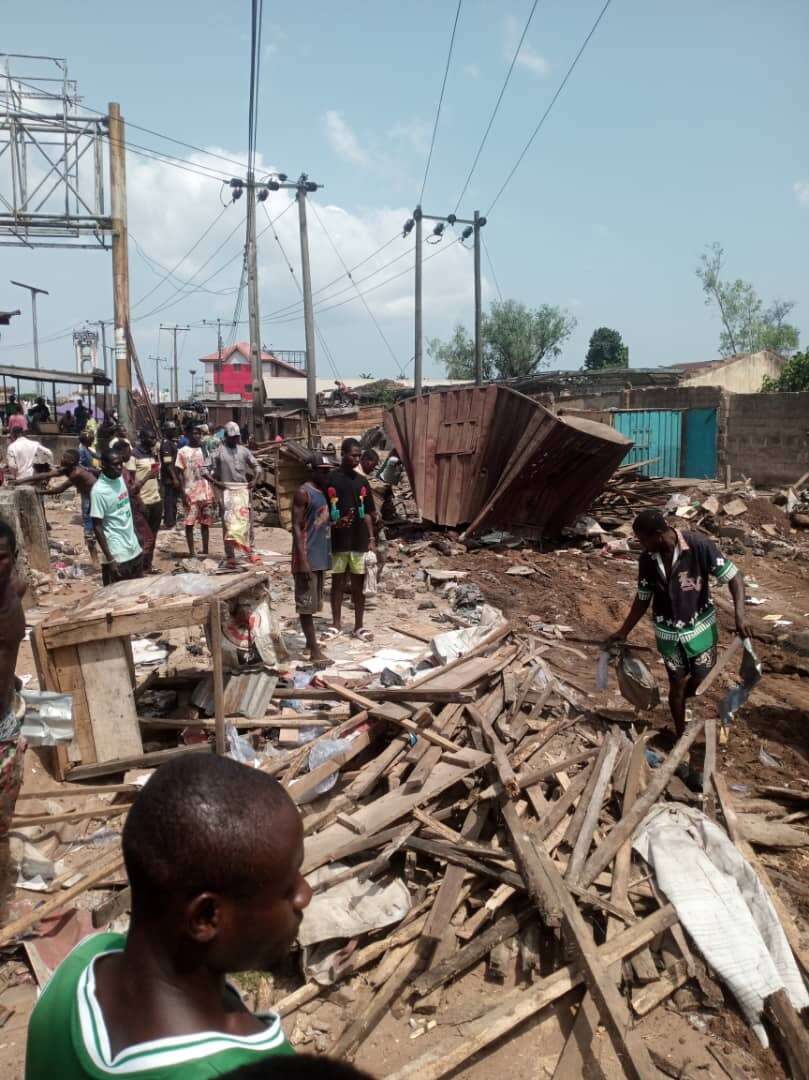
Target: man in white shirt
{"x": 20, "y": 456}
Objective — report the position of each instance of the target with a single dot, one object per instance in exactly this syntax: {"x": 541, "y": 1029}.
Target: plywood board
{"x": 110, "y": 700}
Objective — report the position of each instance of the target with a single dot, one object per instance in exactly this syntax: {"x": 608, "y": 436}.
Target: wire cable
{"x": 380, "y": 331}
{"x": 553, "y": 101}
{"x": 440, "y": 99}
{"x": 491, "y": 267}
{"x": 496, "y": 105}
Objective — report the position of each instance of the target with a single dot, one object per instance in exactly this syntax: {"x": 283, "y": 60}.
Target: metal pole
{"x": 253, "y": 314}
{"x": 120, "y": 264}
{"x": 175, "y": 383}
{"x": 36, "y": 335}
{"x": 418, "y": 341}
{"x": 478, "y": 305}
{"x": 219, "y": 362}
{"x": 308, "y": 312}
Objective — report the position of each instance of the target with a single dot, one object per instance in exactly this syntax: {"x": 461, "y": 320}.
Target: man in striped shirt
{"x": 673, "y": 574}
{"x": 213, "y": 850}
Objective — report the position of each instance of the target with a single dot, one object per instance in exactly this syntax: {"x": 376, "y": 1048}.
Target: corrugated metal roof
{"x": 247, "y": 694}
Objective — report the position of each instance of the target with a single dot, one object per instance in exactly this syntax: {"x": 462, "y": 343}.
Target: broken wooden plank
{"x": 514, "y": 1008}
{"x": 606, "y": 851}
{"x": 649, "y": 997}
{"x": 602, "y": 774}
{"x": 791, "y": 1032}
{"x": 498, "y": 752}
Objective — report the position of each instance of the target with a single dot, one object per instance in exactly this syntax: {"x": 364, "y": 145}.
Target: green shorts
{"x": 353, "y": 561}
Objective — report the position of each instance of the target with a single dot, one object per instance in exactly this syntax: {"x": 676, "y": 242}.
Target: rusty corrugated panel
{"x": 488, "y": 455}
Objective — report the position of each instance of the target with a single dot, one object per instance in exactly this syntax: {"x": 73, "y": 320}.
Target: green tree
{"x": 606, "y": 350}
{"x": 516, "y": 341}
{"x": 747, "y": 325}
{"x": 793, "y": 378}
{"x": 457, "y": 355}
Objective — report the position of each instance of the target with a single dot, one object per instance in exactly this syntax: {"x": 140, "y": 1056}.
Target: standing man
{"x": 673, "y": 574}
{"x": 87, "y": 458}
{"x": 235, "y": 472}
{"x": 39, "y": 413}
{"x": 16, "y": 418}
{"x": 12, "y": 709}
{"x": 80, "y": 415}
{"x": 20, "y": 456}
{"x": 351, "y": 507}
{"x": 169, "y": 479}
{"x": 197, "y": 490}
{"x": 215, "y": 890}
{"x": 112, "y": 523}
{"x": 311, "y": 550}
{"x": 369, "y": 463}
{"x": 144, "y": 464}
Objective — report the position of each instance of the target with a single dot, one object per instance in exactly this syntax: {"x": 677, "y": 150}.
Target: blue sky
{"x": 682, "y": 124}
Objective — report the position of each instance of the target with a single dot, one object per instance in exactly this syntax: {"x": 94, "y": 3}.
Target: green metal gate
{"x": 657, "y": 434}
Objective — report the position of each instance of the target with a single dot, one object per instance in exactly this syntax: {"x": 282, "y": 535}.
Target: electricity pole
{"x": 157, "y": 360}
{"x": 473, "y": 227}
{"x": 305, "y": 185}
{"x": 120, "y": 264}
{"x": 418, "y": 314}
{"x": 253, "y": 313}
{"x": 175, "y": 382}
{"x": 33, "y": 291}
{"x": 478, "y": 303}
{"x": 103, "y": 326}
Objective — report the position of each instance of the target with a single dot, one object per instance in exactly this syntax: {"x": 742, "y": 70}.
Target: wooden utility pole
{"x": 120, "y": 264}
{"x": 103, "y": 326}
{"x": 308, "y": 313}
{"x": 417, "y": 353}
{"x": 175, "y": 381}
{"x": 478, "y": 221}
{"x": 253, "y": 313}
{"x": 218, "y": 365}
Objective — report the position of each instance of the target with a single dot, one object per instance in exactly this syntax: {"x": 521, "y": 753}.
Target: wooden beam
{"x": 602, "y": 774}
{"x": 215, "y": 624}
{"x": 515, "y": 1008}
{"x": 791, "y": 1032}
{"x": 606, "y": 851}
{"x": 140, "y": 761}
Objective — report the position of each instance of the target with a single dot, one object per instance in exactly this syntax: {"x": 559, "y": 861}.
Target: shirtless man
{"x": 12, "y": 745}
{"x": 73, "y": 475}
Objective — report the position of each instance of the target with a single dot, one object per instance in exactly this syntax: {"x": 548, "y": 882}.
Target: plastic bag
{"x": 636, "y": 682}
{"x": 370, "y": 563}
{"x": 602, "y": 669}
{"x": 238, "y": 747}
{"x": 750, "y": 674}
{"x": 321, "y": 752}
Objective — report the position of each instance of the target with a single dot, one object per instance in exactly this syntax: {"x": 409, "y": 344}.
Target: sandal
{"x": 330, "y": 634}
{"x": 363, "y": 635}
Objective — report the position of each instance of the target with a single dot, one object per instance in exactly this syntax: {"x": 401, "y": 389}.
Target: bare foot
{"x": 317, "y": 656}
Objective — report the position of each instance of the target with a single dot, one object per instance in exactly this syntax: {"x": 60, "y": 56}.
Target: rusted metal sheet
{"x": 487, "y": 455}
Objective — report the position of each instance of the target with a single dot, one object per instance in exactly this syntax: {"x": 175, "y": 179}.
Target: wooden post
{"x": 218, "y": 675}
{"x": 120, "y": 263}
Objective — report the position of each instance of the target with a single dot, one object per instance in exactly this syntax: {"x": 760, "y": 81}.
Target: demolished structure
{"x": 487, "y": 455}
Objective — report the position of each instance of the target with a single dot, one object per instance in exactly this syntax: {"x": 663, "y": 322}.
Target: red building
{"x": 236, "y": 378}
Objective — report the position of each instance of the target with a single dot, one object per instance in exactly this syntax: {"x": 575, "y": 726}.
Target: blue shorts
{"x": 85, "y": 513}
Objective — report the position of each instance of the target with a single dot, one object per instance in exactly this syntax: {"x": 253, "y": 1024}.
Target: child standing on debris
{"x": 12, "y": 710}
{"x": 214, "y": 891}
{"x": 673, "y": 574}
{"x": 113, "y": 524}
{"x": 197, "y": 490}
{"x": 311, "y": 550}
{"x": 351, "y": 507}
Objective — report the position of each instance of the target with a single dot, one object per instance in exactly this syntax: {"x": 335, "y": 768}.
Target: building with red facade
{"x": 236, "y": 377}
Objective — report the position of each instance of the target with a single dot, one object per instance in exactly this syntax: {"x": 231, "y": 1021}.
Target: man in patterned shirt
{"x": 673, "y": 574}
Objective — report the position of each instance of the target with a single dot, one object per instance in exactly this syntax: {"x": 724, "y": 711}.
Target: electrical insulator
{"x": 467, "y": 232}
{"x": 408, "y": 227}
{"x": 263, "y": 194}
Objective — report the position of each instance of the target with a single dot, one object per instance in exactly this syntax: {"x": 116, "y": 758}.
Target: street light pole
{"x": 33, "y": 291}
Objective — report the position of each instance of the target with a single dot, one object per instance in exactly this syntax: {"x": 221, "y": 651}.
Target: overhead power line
{"x": 380, "y": 331}
{"x": 440, "y": 99}
{"x": 553, "y": 101}
{"x": 491, "y": 267}
{"x": 496, "y": 105}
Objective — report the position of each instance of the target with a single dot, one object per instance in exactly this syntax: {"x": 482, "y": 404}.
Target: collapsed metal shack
{"x": 487, "y": 455}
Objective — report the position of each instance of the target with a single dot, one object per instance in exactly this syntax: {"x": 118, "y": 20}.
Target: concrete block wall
{"x": 768, "y": 437}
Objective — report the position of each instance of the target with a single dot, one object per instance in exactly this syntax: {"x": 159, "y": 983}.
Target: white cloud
{"x": 275, "y": 38}
{"x": 169, "y": 209}
{"x": 414, "y": 135}
{"x": 472, "y": 71}
{"x": 528, "y": 58}
{"x": 343, "y": 139}
{"x": 801, "y": 191}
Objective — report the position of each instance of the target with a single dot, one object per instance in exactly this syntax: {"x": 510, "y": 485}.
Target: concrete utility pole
{"x": 253, "y": 313}
{"x": 103, "y": 327}
{"x": 308, "y": 312}
{"x": 157, "y": 360}
{"x": 120, "y": 264}
{"x": 472, "y": 227}
{"x": 192, "y": 372}
{"x": 417, "y": 354}
{"x": 33, "y": 291}
{"x": 175, "y": 382}
{"x": 478, "y": 303}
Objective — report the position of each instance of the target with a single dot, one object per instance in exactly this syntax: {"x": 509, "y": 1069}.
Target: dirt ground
{"x": 590, "y": 593}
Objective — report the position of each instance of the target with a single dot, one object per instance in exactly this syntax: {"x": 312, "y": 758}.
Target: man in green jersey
{"x": 213, "y": 850}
